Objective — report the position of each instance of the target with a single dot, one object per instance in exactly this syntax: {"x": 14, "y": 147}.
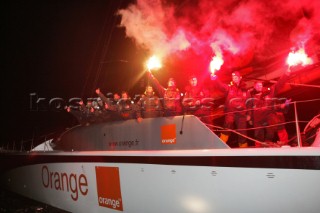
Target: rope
{"x": 273, "y": 125}
{"x": 306, "y": 101}
{"x": 98, "y": 44}
{"x": 265, "y": 107}
{"x": 268, "y": 144}
{"x": 105, "y": 50}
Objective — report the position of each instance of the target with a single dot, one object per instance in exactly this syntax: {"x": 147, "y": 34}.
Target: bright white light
{"x": 153, "y": 63}
{"x": 216, "y": 63}
{"x": 299, "y": 57}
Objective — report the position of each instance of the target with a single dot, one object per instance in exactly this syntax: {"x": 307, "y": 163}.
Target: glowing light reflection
{"x": 195, "y": 204}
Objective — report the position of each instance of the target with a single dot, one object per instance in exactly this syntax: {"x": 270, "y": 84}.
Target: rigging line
{"x": 221, "y": 129}
{"x": 297, "y": 84}
{"x": 306, "y": 101}
{"x": 98, "y": 44}
{"x": 267, "y": 144}
{"x": 245, "y": 136}
{"x": 288, "y": 83}
{"x": 314, "y": 119}
{"x": 310, "y": 137}
{"x": 246, "y": 110}
{"x": 295, "y": 136}
{"x": 105, "y": 48}
{"x": 274, "y": 125}
{"x": 263, "y": 127}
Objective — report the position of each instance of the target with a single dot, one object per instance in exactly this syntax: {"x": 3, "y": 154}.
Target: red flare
{"x": 216, "y": 64}
{"x": 153, "y": 63}
{"x": 298, "y": 57}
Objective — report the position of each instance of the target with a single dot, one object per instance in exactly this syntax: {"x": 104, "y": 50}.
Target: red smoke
{"x": 242, "y": 31}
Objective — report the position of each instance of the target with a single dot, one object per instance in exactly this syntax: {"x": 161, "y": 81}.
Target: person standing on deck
{"x": 235, "y": 106}
{"x": 193, "y": 97}
{"x": 170, "y": 95}
{"x": 150, "y": 104}
{"x": 263, "y": 110}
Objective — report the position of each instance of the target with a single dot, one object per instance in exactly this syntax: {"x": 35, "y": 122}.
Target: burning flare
{"x": 153, "y": 63}
{"x": 216, "y": 63}
{"x": 298, "y": 57}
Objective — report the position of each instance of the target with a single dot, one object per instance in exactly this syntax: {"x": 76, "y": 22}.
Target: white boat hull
{"x": 157, "y": 181}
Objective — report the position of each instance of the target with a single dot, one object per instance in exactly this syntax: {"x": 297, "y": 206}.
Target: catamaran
{"x": 165, "y": 164}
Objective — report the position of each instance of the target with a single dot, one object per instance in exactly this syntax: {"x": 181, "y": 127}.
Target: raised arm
{"x": 156, "y": 85}
{"x": 102, "y": 96}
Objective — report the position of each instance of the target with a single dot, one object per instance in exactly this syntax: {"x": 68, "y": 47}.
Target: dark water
{"x": 11, "y": 202}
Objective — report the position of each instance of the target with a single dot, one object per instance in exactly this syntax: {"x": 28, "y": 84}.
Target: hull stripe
{"x": 281, "y": 162}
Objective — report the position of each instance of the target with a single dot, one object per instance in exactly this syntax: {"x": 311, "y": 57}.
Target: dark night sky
{"x": 65, "y": 49}
{"x": 54, "y": 49}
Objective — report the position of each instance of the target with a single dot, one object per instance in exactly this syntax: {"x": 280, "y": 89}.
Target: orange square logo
{"x": 168, "y": 134}
{"x": 108, "y": 187}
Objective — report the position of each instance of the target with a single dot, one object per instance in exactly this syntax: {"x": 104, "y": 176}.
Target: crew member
{"x": 127, "y": 109}
{"x": 263, "y": 113}
{"x": 169, "y": 95}
{"x": 111, "y": 105}
{"x": 235, "y": 107}
{"x": 150, "y": 104}
{"x": 193, "y": 97}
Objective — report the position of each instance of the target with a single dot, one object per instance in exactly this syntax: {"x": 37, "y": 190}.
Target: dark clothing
{"x": 196, "y": 103}
{"x": 240, "y": 121}
{"x": 111, "y": 113}
{"x": 128, "y": 110}
{"x": 235, "y": 107}
{"x": 206, "y": 111}
{"x": 78, "y": 114}
{"x": 171, "y": 100}
{"x": 192, "y": 100}
{"x": 99, "y": 114}
{"x": 236, "y": 96}
{"x": 281, "y": 108}
{"x": 170, "y": 97}
{"x": 112, "y": 110}
{"x": 265, "y": 134}
{"x": 150, "y": 106}
{"x": 103, "y": 97}
{"x": 261, "y": 114}
{"x": 263, "y": 111}
{"x": 87, "y": 113}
